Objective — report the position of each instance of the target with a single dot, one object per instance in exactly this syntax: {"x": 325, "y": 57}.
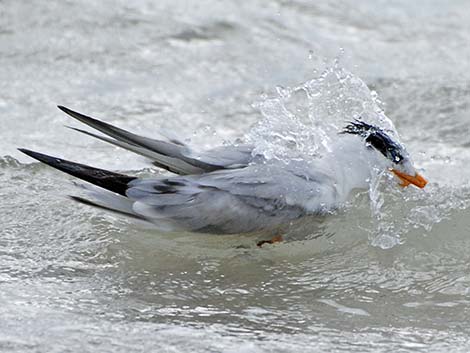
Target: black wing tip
{"x": 105, "y": 179}
{"x": 71, "y": 112}
{"x": 76, "y": 115}
{"x": 24, "y": 150}
{"x": 64, "y": 109}
{"x": 36, "y": 155}
{"x": 93, "y": 122}
{"x": 52, "y": 161}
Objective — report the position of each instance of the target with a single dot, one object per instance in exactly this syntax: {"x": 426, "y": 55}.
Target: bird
{"x": 232, "y": 189}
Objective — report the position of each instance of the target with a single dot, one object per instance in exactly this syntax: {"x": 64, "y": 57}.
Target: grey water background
{"x": 75, "y": 279}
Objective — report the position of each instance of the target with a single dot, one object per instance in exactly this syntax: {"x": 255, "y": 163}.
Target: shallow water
{"x": 394, "y": 277}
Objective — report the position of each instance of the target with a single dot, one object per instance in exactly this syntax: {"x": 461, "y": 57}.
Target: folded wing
{"x": 171, "y": 155}
{"x": 228, "y": 201}
{"x": 223, "y": 201}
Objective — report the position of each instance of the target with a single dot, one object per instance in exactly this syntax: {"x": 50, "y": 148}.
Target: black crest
{"x": 377, "y": 138}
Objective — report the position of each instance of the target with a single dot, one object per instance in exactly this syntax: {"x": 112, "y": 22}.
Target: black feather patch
{"x": 376, "y": 138}
{"x": 111, "y": 181}
{"x": 168, "y": 186}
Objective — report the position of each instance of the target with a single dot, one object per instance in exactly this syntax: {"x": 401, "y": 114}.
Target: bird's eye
{"x": 397, "y": 157}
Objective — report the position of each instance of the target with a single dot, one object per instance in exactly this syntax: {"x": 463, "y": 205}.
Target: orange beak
{"x": 406, "y": 179}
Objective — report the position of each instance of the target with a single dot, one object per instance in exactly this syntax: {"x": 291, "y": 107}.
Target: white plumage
{"x": 232, "y": 190}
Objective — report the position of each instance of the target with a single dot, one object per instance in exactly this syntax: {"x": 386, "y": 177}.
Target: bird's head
{"x": 396, "y": 157}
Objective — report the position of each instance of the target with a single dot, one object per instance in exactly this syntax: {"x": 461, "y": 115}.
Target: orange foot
{"x": 276, "y": 239}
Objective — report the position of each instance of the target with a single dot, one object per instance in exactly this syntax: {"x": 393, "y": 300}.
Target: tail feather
{"x": 105, "y": 179}
{"x": 107, "y": 208}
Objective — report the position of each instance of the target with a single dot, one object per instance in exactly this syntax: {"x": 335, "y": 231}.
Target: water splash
{"x": 302, "y": 122}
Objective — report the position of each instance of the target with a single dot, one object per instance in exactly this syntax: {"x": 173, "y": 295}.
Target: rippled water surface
{"x": 388, "y": 272}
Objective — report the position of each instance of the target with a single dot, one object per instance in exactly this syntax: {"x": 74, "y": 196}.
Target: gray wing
{"x": 239, "y": 200}
{"x": 227, "y": 201}
{"x": 172, "y": 155}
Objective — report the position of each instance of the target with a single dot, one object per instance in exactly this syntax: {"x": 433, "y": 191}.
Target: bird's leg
{"x": 275, "y": 239}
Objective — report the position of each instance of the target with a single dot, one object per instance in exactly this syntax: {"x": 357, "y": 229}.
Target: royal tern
{"x": 230, "y": 189}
